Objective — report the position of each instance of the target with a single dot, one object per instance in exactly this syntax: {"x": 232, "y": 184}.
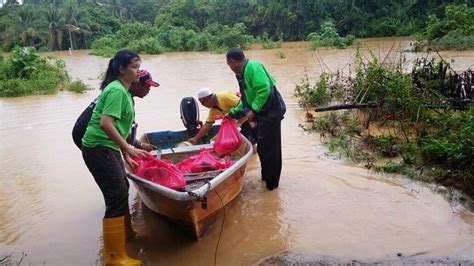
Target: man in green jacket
{"x": 262, "y": 104}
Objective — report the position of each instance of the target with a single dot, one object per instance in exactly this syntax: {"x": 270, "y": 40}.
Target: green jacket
{"x": 258, "y": 83}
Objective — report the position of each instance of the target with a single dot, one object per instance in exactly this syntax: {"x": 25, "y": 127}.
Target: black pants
{"x": 249, "y": 132}
{"x": 107, "y": 167}
{"x": 269, "y": 148}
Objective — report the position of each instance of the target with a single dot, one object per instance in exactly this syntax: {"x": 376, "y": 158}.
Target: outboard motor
{"x": 189, "y": 109}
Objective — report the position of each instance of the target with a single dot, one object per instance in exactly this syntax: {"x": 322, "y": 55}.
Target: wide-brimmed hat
{"x": 145, "y": 77}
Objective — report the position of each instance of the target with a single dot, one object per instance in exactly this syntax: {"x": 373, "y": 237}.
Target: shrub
{"x": 455, "y": 40}
{"x": 328, "y": 37}
{"x": 387, "y": 145}
{"x": 311, "y": 96}
{"x": 77, "y": 86}
{"x": 148, "y": 46}
{"x": 25, "y": 73}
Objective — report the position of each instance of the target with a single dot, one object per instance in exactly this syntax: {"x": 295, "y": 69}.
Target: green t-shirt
{"x": 258, "y": 83}
{"x": 115, "y": 101}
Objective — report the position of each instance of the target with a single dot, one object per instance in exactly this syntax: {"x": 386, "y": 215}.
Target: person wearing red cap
{"x": 104, "y": 149}
{"x": 140, "y": 89}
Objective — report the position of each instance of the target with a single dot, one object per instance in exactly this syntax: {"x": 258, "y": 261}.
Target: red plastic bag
{"x": 228, "y": 138}
{"x": 203, "y": 162}
{"x": 161, "y": 172}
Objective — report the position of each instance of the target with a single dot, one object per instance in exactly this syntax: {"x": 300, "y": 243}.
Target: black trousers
{"x": 269, "y": 148}
{"x": 249, "y": 132}
{"x": 107, "y": 167}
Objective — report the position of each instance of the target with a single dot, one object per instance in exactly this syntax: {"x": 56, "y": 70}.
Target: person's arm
{"x": 236, "y": 112}
{"x": 202, "y": 132}
{"x": 107, "y": 124}
{"x": 261, "y": 84}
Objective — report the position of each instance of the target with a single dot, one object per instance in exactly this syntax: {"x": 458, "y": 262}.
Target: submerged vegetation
{"x": 24, "y": 72}
{"x": 422, "y": 121}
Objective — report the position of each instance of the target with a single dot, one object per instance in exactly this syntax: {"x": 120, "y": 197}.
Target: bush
{"x": 454, "y": 31}
{"x": 328, "y": 37}
{"x": 25, "y": 73}
{"x": 387, "y": 145}
{"x": 454, "y": 40}
{"x": 452, "y": 143}
{"x": 312, "y": 96}
{"x": 149, "y": 45}
{"x": 268, "y": 43}
{"x": 144, "y": 38}
{"x": 77, "y": 86}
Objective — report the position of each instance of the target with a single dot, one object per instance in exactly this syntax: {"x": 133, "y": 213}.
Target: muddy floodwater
{"x": 51, "y": 208}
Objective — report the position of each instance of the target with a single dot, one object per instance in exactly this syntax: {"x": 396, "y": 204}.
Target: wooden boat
{"x": 206, "y": 193}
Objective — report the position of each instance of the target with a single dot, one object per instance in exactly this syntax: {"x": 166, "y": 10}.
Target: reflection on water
{"x": 323, "y": 206}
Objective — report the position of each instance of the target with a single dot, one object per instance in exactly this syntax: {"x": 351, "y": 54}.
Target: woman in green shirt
{"x": 103, "y": 146}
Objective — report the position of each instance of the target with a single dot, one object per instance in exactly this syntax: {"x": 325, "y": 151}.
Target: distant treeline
{"x": 214, "y": 24}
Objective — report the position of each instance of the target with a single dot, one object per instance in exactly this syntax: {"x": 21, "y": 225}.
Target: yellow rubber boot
{"x": 114, "y": 243}
{"x": 129, "y": 232}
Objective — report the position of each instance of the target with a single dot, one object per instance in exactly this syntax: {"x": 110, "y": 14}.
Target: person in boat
{"x": 262, "y": 104}
{"x": 219, "y": 103}
{"x": 103, "y": 146}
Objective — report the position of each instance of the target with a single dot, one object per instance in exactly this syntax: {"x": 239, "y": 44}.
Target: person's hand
{"x": 192, "y": 141}
{"x": 146, "y": 147}
{"x": 134, "y": 152}
{"x": 129, "y": 161}
{"x": 250, "y": 115}
{"x": 253, "y": 124}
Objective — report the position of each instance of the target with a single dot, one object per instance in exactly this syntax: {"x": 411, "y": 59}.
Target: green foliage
{"x": 432, "y": 140}
{"x": 149, "y": 45}
{"x": 451, "y": 143}
{"x": 328, "y": 37}
{"x": 455, "y": 40}
{"x": 390, "y": 88}
{"x": 25, "y": 73}
{"x": 77, "y": 86}
{"x": 394, "y": 167}
{"x": 268, "y": 43}
{"x": 24, "y": 62}
{"x": 387, "y": 145}
{"x": 145, "y": 38}
{"x": 454, "y": 31}
{"x": 45, "y": 22}
{"x": 311, "y": 96}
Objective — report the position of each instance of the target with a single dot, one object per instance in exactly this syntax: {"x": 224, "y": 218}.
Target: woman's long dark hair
{"x": 123, "y": 58}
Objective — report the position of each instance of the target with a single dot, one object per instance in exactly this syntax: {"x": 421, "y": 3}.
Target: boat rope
{"x": 220, "y": 232}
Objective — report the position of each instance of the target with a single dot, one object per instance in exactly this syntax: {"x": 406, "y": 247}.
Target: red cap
{"x": 145, "y": 77}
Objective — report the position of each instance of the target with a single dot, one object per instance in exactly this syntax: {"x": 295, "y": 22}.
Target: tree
{"x": 76, "y": 23}
{"x": 55, "y": 21}
{"x": 117, "y": 8}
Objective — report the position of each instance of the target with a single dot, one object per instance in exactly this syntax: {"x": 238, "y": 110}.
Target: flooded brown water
{"x": 52, "y": 209}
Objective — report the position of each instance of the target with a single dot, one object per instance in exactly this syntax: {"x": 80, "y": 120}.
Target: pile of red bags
{"x": 203, "y": 162}
{"x": 161, "y": 172}
{"x": 228, "y": 138}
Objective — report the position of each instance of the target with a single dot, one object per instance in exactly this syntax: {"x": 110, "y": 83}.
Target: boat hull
{"x": 195, "y": 215}
{"x": 195, "y": 210}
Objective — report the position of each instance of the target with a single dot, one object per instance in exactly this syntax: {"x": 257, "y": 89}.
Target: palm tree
{"x": 117, "y": 8}
{"x": 55, "y": 21}
{"x": 23, "y": 25}
{"x": 77, "y": 23}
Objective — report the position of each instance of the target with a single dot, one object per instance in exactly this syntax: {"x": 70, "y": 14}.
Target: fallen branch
{"x": 345, "y": 106}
